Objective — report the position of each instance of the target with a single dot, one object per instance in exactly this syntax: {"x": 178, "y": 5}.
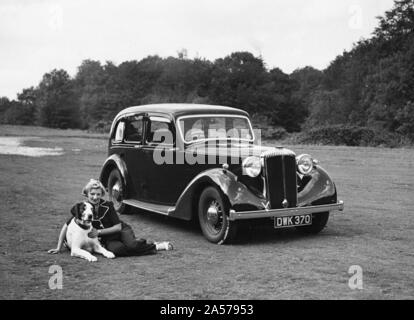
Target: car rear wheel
{"x": 117, "y": 191}
{"x": 213, "y": 217}
{"x": 319, "y": 222}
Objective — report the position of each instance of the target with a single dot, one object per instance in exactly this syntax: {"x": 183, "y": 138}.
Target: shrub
{"x": 268, "y": 131}
{"x": 275, "y": 133}
{"x": 349, "y": 136}
{"x": 101, "y": 127}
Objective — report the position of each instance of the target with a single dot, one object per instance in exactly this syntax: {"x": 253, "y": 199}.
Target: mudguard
{"x": 319, "y": 190}
{"x": 114, "y": 162}
{"x": 235, "y": 193}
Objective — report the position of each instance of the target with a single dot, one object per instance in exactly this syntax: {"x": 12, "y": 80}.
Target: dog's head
{"x": 84, "y": 214}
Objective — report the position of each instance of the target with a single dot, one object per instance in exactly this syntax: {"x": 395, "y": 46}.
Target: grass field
{"x": 376, "y": 232}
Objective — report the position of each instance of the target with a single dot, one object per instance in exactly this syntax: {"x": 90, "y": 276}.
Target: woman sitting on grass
{"x": 117, "y": 236}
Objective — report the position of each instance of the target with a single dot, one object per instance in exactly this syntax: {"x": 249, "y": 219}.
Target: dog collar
{"x": 81, "y": 226}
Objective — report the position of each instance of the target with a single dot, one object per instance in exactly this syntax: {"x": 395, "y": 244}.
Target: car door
{"x": 133, "y": 143}
{"x": 160, "y": 178}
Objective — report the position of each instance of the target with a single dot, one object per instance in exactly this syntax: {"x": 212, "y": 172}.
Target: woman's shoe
{"x": 165, "y": 245}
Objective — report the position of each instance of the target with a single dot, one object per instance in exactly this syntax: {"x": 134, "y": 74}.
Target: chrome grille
{"x": 280, "y": 173}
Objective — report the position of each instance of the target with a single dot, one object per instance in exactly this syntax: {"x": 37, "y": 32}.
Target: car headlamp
{"x": 305, "y": 164}
{"x": 252, "y": 166}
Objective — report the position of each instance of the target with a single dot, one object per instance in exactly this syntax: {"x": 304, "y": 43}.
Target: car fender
{"x": 234, "y": 193}
{"x": 114, "y": 162}
{"x": 319, "y": 190}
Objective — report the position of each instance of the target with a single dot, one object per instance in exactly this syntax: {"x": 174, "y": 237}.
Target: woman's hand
{"x": 62, "y": 237}
{"x": 93, "y": 233}
{"x": 54, "y": 251}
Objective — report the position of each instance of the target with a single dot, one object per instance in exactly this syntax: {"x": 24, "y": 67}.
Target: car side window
{"x": 133, "y": 129}
{"x": 119, "y": 133}
{"x": 159, "y": 132}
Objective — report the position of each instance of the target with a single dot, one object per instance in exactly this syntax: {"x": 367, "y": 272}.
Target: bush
{"x": 101, "y": 127}
{"x": 274, "y": 133}
{"x": 268, "y": 131}
{"x": 349, "y": 136}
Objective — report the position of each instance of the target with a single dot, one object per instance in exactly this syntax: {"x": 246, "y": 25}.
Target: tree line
{"x": 98, "y": 92}
{"x": 370, "y": 86}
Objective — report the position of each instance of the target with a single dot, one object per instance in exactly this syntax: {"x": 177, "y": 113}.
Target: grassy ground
{"x": 376, "y": 232}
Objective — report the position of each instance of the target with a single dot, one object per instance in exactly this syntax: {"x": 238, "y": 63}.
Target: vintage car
{"x": 205, "y": 162}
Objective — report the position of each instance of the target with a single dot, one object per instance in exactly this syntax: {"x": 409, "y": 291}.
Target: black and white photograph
{"x": 207, "y": 151}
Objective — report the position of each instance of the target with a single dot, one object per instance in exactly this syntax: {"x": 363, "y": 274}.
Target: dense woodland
{"x": 364, "y": 97}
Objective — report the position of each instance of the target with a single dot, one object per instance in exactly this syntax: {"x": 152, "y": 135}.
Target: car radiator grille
{"x": 281, "y": 185}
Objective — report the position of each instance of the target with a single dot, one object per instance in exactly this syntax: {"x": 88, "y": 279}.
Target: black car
{"x": 204, "y": 162}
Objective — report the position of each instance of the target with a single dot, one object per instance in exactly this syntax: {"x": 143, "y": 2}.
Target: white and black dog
{"x": 80, "y": 244}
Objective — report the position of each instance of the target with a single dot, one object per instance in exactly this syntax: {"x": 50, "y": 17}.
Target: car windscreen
{"x": 195, "y": 128}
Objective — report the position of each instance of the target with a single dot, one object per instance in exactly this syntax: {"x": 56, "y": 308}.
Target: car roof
{"x": 182, "y": 109}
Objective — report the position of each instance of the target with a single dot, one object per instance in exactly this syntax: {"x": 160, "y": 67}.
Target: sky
{"x": 37, "y": 36}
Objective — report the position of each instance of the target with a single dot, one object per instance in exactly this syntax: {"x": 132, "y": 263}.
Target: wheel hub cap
{"x": 116, "y": 191}
{"x": 212, "y": 214}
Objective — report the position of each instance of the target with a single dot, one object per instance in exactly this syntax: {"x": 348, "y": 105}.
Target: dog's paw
{"x": 92, "y": 259}
{"x": 109, "y": 255}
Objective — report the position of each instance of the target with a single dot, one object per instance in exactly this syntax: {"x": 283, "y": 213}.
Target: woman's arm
{"x": 105, "y": 232}
{"x": 62, "y": 237}
{"x": 108, "y": 231}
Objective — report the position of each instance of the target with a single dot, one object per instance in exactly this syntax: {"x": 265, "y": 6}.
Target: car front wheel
{"x": 213, "y": 217}
{"x": 117, "y": 191}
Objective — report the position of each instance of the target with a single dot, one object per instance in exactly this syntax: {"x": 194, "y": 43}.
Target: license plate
{"x": 293, "y": 221}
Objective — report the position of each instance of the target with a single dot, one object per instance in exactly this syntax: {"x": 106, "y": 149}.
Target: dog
{"x": 77, "y": 239}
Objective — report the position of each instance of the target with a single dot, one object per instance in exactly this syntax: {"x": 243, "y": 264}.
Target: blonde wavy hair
{"x": 93, "y": 184}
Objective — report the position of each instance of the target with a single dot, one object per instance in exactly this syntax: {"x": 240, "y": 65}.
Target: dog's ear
{"x": 77, "y": 210}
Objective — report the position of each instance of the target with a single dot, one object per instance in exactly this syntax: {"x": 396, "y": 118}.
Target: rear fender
{"x": 114, "y": 162}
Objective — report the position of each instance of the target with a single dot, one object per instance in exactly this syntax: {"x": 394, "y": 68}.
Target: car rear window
{"x": 160, "y": 132}
{"x": 133, "y": 129}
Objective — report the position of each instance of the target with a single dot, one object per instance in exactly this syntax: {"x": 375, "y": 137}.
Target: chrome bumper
{"x": 245, "y": 215}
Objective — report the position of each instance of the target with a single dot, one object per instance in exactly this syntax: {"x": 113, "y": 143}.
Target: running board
{"x": 158, "y": 208}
